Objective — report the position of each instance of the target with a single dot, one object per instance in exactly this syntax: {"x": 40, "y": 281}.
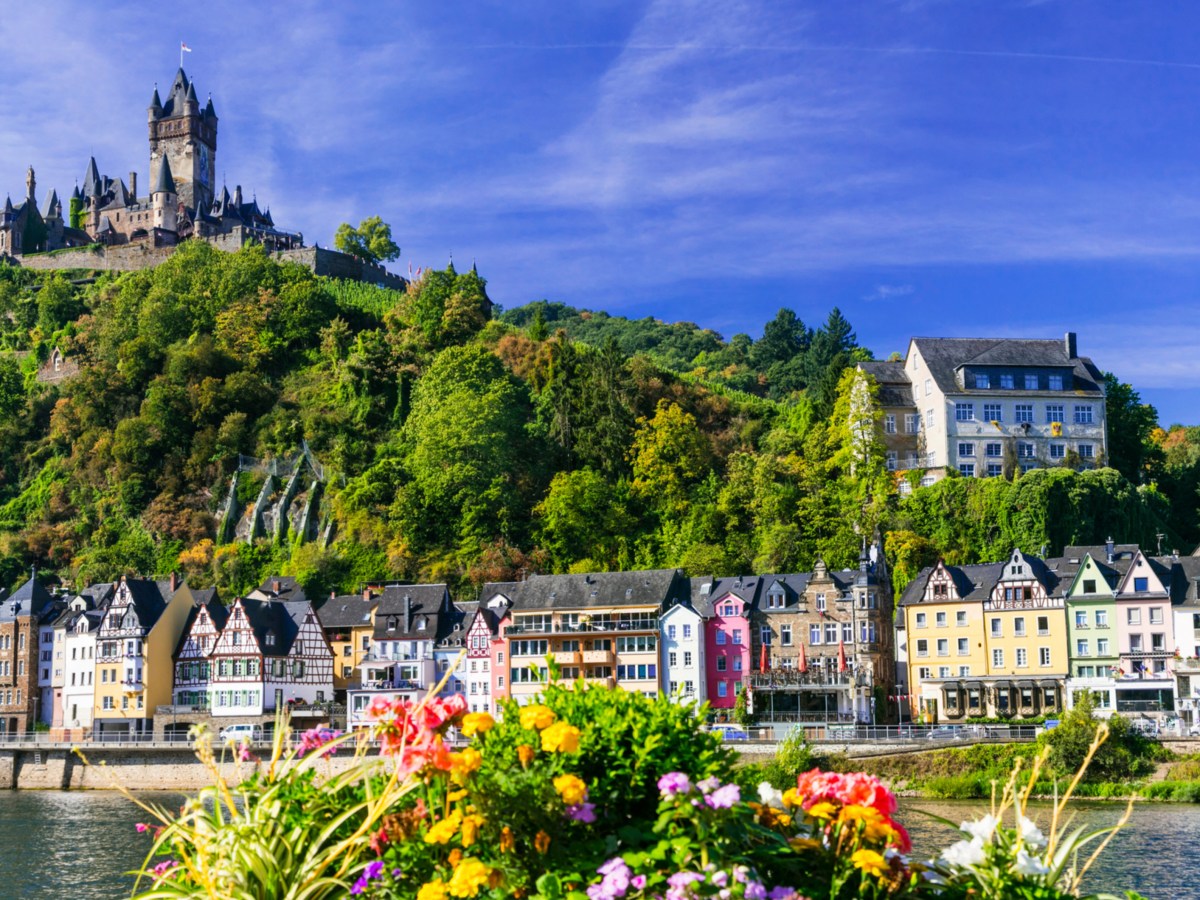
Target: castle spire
{"x": 91, "y": 180}
{"x": 165, "y": 183}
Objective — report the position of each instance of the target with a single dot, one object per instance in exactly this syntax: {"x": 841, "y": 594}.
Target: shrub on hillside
{"x": 1126, "y": 753}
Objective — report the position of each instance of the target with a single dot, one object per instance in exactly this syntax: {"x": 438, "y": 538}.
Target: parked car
{"x": 241, "y": 732}
{"x": 730, "y": 732}
{"x": 943, "y": 733}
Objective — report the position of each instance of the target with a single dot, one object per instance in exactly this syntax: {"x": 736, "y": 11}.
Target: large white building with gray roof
{"x": 990, "y": 406}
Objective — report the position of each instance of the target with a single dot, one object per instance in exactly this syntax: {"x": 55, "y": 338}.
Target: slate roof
{"x": 659, "y": 587}
{"x": 164, "y": 184}
{"x": 347, "y": 611}
{"x": 402, "y": 606}
{"x": 895, "y": 388}
{"x": 31, "y": 598}
{"x": 974, "y": 583}
{"x": 747, "y": 588}
{"x": 282, "y": 618}
{"x": 280, "y": 587}
{"x": 456, "y": 625}
{"x": 794, "y": 586}
{"x": 217, "y": 611}
{"x": 945, "y": 356}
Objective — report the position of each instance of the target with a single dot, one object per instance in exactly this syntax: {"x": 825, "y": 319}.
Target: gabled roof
{"x": 217, "y": 612}
{"x": 279, "y": 587}
{"x": 403, "y": 607}
{"x": 746, "y": 588}
{"x": 945, "y": 356}
{"x": 974, "y": 583}
{"x": 658, "y": 587}
{"x": 148, "y": 598}
{"x": 454, "y": 629}
{"x": 274, "y": 617}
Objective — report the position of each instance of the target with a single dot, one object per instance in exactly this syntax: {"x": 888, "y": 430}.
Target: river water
{"x": 80, "y": 845}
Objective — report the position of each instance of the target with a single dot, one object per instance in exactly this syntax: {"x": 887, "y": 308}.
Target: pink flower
{"x": 674, "y": 783}
{"x": 141, "y": 827}
{"x": 163, "y": 868}
{"x": 316, "y": 738}
{"x": 724, "y": 797}
{"x": 852, "y": 789}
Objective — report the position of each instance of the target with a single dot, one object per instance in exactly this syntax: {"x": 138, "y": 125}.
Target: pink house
{"x": 727, "y": 638}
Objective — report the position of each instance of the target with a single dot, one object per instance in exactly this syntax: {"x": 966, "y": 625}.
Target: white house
{"x": 78, "y": 628}
{"x": 681, "y": 648}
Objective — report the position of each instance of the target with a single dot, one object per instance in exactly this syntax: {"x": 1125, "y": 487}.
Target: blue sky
{"x": 933, "y": 167}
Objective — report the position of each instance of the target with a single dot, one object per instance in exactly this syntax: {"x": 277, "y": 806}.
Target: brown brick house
{"x": 20, "y": 615}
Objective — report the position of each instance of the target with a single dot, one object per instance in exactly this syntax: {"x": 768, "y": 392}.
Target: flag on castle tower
{"x": 184, "y": 48}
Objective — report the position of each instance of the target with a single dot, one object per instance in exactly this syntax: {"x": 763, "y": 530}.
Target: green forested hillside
{"x": 461, "y": 446}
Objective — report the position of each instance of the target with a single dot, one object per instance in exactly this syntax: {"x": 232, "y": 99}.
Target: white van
{"x": 241, "y": 732}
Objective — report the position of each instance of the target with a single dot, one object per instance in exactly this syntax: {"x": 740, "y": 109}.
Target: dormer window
{"x": 820, "y": 602}
{"x": 270, "y": 639}
{"x": 391, "y": 623}
{"x": 421, "y": 623}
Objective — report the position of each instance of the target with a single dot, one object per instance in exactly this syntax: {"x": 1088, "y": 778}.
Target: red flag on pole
{"x": 764, "y": 660}
{"x": 803, "y": 666}
{"x": 841, "y": 656}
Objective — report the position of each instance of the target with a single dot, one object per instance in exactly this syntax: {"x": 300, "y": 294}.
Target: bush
{"x": 792, "y": 757}
{"x": 1126, "y": 753}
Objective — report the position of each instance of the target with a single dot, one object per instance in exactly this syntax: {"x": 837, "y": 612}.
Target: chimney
{"x": 1109, "y": 548}
{"x": 174, "y": 582}
{"x": 275, "y": 586}
{"x": 333, "y": 595}
{"x": 133, "y": 185}
{"x": 366, "y": 593}
{"x": 1069, "y": 345}
{"x": 407, "y": 613}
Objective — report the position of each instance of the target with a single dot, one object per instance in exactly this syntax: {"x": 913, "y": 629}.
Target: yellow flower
{"x": 464, "y": 763}
{"x": 470, "y": 829}
{"x": 875, "y": 825}
{"x": 536, "y": 717}
{"x": 455, "y": 796}
{"x": 469, "y": 876}
{"x": 433, "y": 890}
{"x": 507, "y": 841}
{"x": 571, "y": 789}
{"x": 477, "y": 723}
{"x": 804, "y": 843}
{"x": 525, "y": 754}
{"x": 791, "y": 799}
{"x": 541, "y": 842}
{"x": 822, "y": 810}
{"x": 870, "y": 862}
{"x": 561, "y": 737}
{"x": 441, "y": 832}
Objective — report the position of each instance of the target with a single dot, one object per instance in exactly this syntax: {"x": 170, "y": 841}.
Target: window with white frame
{"x": 1087, "y": 451}
{"x": 967, "y": 470}
{"x": 1022, "y": 658}
{"x": 893, "y": 460}
{"x": 1006, "y": 382}
{"x": 1026, "y": 450}
{"x": 1083, "y": 414}
{"x": 920, "y": 620}
{"x": 1054, "y": 382}
{"x": 785, "y": 635}
{"x": 1058, "y": 451}
{"x": 912, "y": 423}
{"x": 1031, "y": 382}
{"x": 993, "y": 448}
{"x": 928, "y": 386}
{"x": 1054, "y": 412}
{"x": 1044, "y": 656}
{"x": 964, "y": 412}
{"x": 1023, "y": 412}
{"x": 1082, "y": 647}
{"x": 998, "y": 658}
{"x": 993, "y": 412}
{"x": 966, "y": 449}
{"x": 922, "y": 647}
{"x": 964, "y": 647}
{"x": 960, "y": 618}
{"x": 814, "y": 634}
{"x": 983, "y": 381}
{"x": 889, "y": 423}
{"x": 929, "y": 418}
{"x": 995, "y": 469}
{"x": 943, "y": 647}
{"x": 940, "y": 619}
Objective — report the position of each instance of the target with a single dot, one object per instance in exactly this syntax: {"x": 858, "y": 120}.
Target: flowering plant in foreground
{"x": 586, "y": 794}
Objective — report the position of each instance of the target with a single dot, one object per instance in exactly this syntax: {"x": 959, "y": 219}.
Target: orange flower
{"x": 507, "y": 841}
{"x": 525, "y": 754}
{"x": 454, "y": 856}
{"x": 541, "y": 842}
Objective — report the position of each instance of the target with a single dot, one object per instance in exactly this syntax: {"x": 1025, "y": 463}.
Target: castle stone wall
{"x": 335, "y": 264}
{"x": 122, "y": 258}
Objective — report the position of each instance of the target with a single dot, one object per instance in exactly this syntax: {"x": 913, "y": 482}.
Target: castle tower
{"x": 186, "y": 136}
{"x": 164, "y": 199}
{"x": 30, "y": 186}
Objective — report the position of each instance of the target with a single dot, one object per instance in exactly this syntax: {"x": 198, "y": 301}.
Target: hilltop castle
{"x": 182, "y": 201}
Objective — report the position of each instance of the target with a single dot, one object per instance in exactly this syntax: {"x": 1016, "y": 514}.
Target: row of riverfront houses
{"x": 1023, "y": 637}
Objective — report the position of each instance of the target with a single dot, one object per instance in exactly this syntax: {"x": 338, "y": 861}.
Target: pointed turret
{"x": 165, "y": 183}
{"x": 8, "y": 207}
{"x": 210, "y": 111}
{"x": 53, "y": 207}
{"x": 91, "y": 180}
{"x": 191, "y": 98}
{"x": 156, "y": 109}
{"x": 75, "y": 194}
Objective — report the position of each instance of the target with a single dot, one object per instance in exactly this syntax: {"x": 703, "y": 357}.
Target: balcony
{"x": 601, "y": 682}
{"x": 792, "y": 680}
{"x": 567, "y": 657}
{"x": 597, "y": 656}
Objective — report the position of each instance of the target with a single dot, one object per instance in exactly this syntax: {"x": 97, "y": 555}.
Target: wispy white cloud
{"x": 889, "y": 292}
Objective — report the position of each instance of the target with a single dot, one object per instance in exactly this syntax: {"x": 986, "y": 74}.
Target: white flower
{"x": 1030, "y": 833}
{"x": 1029, "y": 865}
{"x": 982, "y": 829}
{"x": 770, "y": 796}
{"x": 965, "y": 854}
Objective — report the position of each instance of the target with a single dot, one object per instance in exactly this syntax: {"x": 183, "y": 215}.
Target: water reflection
{"x": 1152, "y": 855}
{"x": 72, "y": 844}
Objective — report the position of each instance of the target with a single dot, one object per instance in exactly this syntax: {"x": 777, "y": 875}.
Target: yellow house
{"x": 1027, "y": 640}
{"x": 348, "y": 622}
{"x": 943, "y": 618}
{"x": 134, "y": 647}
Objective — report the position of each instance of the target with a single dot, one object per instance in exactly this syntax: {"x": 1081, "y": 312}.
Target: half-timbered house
{"x": 193, "y": 667}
